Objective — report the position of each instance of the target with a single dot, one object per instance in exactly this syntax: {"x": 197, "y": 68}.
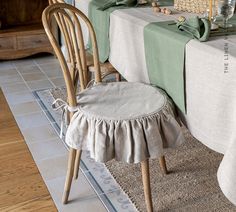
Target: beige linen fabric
{"x": 126, "y": 121}
{"x": 211, "y": 101}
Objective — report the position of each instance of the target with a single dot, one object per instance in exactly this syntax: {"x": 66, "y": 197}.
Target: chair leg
{"x": 69, "y": 175}
{"x": 146, "y": 185}
{"x": 118, "y": 77}
{"x": 163, "y": 166}
{"x": 77, "y": 162}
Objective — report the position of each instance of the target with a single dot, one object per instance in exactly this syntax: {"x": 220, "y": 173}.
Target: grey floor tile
{"x": 58, "y": 82}
{"x": 6, "y": 65}
{"x": 29, "y": 69}
{"x": 54, "y": 73}
{"x": 25, "y": 108}
{"x": 46, "y": 59}
{"x": 32, "y": 120}
{"x": 82, "y": 197}
{"x": 19, "y": 97}
{"x": 14, "y": 87}
{"x": 23, "y": 62}
{"x": 6, "y": 72}
{"x": 44, "y": 132}
{"x": 52, "y": 168}
{"x": 34, "y": 76}
{"x": 52, "y": 70}
{"x": 11, "y": 78}
{"x": 39, "y": 84}
{"x": 50, "y": 66}
{"x": 42, "y": 150}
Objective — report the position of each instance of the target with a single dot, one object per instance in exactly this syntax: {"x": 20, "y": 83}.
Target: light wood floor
{"x": 21, "y": 186}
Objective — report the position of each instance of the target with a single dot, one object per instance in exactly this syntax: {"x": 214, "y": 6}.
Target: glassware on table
{"x": 211, "y": 13}
{"x": 226, "y": 11}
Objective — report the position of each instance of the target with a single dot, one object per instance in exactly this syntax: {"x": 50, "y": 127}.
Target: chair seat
{"x": 118, "y": 101}
{"x": 126, "y": 121}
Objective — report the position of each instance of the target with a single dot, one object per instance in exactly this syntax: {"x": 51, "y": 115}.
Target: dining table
{"x": 209, "y": 77}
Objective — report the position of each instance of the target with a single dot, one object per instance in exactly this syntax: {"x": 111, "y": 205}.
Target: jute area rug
{"x": 190, "y": 186}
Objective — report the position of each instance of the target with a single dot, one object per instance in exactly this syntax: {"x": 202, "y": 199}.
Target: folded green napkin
{"x": 199, "y": 28}
{"x": 112, "y": 3}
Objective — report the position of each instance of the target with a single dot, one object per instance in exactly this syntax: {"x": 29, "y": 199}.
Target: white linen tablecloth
{"x": 210, "y": 93}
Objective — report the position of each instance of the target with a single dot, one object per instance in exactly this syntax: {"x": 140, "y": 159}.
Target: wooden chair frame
{"x": 74, "y": 69}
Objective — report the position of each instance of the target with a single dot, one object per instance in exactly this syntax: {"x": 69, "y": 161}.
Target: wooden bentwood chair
{"x": 74, "y": 70}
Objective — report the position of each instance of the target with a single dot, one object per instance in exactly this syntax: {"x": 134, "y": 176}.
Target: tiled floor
{"x": 18, "y": 79}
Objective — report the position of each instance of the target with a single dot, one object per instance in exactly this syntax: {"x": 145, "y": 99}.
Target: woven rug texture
{"x": 190, "y": 186}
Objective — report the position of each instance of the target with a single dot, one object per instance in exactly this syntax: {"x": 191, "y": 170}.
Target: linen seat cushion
{"x": 126, "y": 121}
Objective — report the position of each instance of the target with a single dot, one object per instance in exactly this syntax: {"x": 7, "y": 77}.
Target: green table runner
{"x": 165, "y": 53}
{"x": 100, "y": 20}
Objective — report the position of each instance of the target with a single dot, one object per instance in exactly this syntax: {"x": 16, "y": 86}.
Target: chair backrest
{"x": 74, "y": 66}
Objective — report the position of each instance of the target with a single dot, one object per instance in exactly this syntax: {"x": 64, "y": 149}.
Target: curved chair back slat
{"x": 73, "y": 62}
{"x": 82, "y": 53}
